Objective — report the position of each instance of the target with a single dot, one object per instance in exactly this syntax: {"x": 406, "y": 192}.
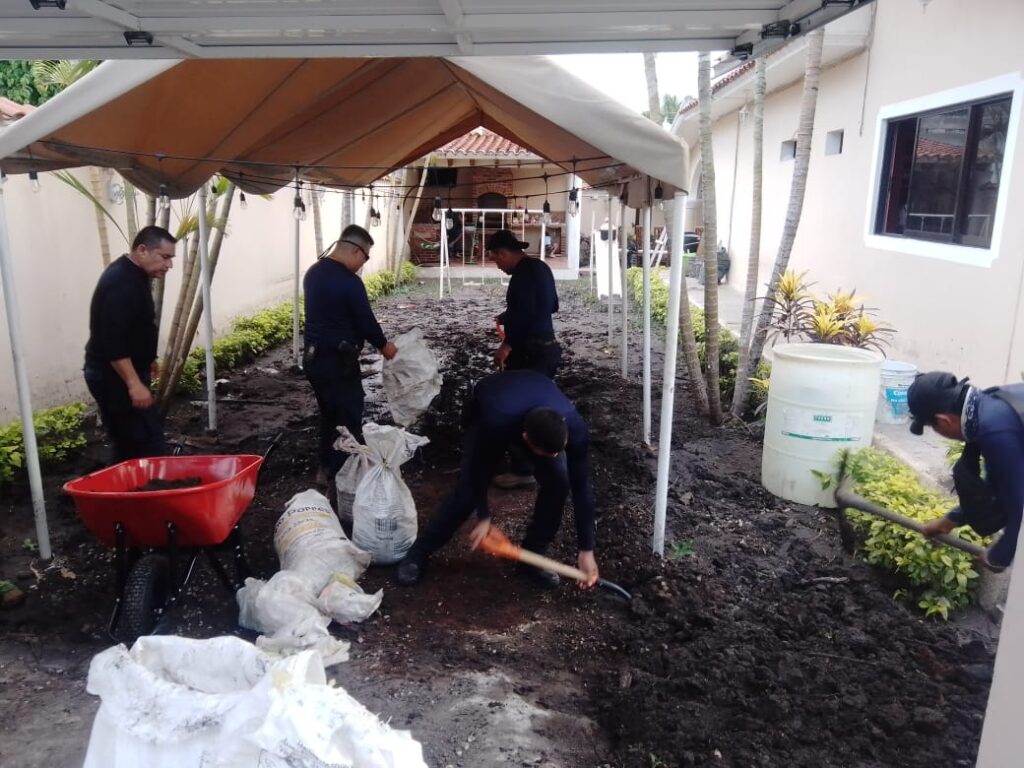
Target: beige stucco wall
{"x": 57, "y": 261}
{"x": 948, "y": 315}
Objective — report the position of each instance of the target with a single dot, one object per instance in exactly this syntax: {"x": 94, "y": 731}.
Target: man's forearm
{"x": 127, "y": 372}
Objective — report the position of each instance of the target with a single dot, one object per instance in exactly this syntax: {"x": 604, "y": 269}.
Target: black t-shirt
{"x": 122, "y": 319}
{"x": 337, "y": 307}
{"x": 530, "y": 301}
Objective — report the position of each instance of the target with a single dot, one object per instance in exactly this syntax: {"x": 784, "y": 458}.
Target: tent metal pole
{"x": 646, "y": 234}
{"x": 611, "y": 273}
{"x": 668, "y": 388}
{"x": 442, "y": 262}
{"x": 624, "y": 301}
{"x": 543, "y": 239}
{"x": 296, "y": 352}
{"x": 28, "y": 431}
{"x": 204, "y": 282}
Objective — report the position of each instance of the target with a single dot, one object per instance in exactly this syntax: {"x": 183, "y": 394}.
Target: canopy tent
{"x": 336, "y": 122}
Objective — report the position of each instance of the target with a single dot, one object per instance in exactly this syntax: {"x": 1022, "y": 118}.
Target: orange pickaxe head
{"x": 497, "y": 543}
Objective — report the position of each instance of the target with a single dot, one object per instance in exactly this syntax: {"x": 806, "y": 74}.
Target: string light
{"x": 299, "y": 209}
{"x": 449, "y": 217}
{"x": 546, "y": 208}
{"x": 165, "y": 199}
{"x": 34, "y": 178}
{"x": 241, "y": 201}
{"x": 436, "y": 213}
{"x": 574, "y": 203}
{"x": 374, "y": 213}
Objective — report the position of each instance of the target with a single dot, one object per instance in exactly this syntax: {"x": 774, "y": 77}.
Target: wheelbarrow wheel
{"x": 145, "y": 595}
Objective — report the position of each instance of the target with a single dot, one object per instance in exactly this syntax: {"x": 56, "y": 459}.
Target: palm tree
{"x": 801, "y": 165}
{"x": 653, "y": 101}
{"x": 709, "y": 238}
{"x": 743, "y": 371}
{"x": 669, "y": 106}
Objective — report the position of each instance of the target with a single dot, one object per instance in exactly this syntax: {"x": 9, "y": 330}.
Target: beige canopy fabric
{"x": 338, "y": 122}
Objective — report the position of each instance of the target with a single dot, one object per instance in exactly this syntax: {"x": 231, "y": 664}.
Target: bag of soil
{"x": 383, "y": 510}
{"x": 411, "y": 379}
{"x": 175, "y": 701}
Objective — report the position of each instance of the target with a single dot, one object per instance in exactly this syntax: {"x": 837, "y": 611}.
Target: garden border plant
{"x": 58, "y": 433}
{"x": 939, "y": 579}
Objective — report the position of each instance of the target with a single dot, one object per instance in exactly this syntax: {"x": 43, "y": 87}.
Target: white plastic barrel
{"x": 896, "y": 379}
{"x": 821, "y": 400}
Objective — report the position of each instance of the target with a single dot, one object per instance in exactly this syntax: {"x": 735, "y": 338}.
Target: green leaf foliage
{"x": 728, "y": 347}
{"x": 940, "y": 579}
{"x": 18, "y": 83}
{"x": 58, "y": 434}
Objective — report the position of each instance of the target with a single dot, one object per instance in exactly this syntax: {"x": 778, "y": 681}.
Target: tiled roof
{"x": 726, "y": 79}
{"x": 481, "y": 141}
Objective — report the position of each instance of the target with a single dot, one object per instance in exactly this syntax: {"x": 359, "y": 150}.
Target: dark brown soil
{"x": 156, "y": 484}
{"x": 754, "y": 642}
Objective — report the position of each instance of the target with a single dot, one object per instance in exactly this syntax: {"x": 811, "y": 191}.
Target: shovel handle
{"x": 547, "y": 564}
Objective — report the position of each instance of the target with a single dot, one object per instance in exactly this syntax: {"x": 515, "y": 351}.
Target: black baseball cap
{"x": 931, "y": 394}
{"x": 504, "y": 238}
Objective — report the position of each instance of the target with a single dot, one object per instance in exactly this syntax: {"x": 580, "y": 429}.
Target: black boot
{"x": 538, "y": 577}
{"x": 410, "y": 569}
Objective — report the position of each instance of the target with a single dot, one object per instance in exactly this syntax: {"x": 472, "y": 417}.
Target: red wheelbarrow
{"x": 154, "y": 532}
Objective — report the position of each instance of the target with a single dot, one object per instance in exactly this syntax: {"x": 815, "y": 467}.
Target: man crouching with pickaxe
{"x": 505, "y": 407}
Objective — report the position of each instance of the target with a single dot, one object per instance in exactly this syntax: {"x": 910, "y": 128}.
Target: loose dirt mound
{"x": 756, "y": 642}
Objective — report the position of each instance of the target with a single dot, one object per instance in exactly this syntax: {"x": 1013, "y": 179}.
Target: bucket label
{"x": 897, "y": 399}
{"x": 809, "y": 424}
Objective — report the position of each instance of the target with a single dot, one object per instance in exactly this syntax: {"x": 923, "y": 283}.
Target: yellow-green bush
{"x": 941, "y": 578}
{"x": 58, "y": 432}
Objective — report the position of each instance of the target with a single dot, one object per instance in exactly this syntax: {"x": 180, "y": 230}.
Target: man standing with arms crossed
{"x": 120, "y": 356}
{"x": 339, "y": 320}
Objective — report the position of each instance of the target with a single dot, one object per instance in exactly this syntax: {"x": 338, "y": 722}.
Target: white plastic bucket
{"x": 896, "y": 378}
{"x": 822, "y": 400}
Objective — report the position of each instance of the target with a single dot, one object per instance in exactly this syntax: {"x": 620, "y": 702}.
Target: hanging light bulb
{"x": 34, "y": 178}
{"x": 449, "y": 216}
{"x": 659, "y": 193}
{"x": 241, "y": 200}
{"x": 299, "y": 207}
{"x": 574, "y": 201}
{"x": 3, "y": 177}
{"x": 165, "y": 199}
{"x": 546, "y": 208}
{"x": 436, "y": 213}
{"x": 374, "y": 217}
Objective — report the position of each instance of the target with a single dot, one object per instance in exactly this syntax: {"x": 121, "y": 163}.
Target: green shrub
{"x": 728, "y": 346}
{"x": 58, "y": 433}
{"x": 408, "y": 273}
{"x": 941, "y": 578}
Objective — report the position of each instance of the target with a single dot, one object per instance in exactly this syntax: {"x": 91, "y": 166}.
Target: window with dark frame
{"x": 941, "y": 173}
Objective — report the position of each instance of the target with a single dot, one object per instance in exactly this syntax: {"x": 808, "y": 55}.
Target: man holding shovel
{"x": 528, "y": 407}
{"x": 989, "y": 422}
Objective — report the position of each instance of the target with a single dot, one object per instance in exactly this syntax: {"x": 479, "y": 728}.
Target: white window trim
{"x": 959, "y": 254}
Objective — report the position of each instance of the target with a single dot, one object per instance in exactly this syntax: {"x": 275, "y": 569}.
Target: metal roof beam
{"x": 101, "y": 10}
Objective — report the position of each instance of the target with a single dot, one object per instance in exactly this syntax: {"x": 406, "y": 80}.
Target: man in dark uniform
{"x": 120, "y": 356}
{"x": 530, "y": 301}
{"x": 338, "y": 320}
{"x": 989, "y": 421}
{"x": 529, "y": 335}
{"x": 525, "y": 407}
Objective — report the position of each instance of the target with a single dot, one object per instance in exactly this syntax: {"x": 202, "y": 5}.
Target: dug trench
{"x": 755, "y": 642}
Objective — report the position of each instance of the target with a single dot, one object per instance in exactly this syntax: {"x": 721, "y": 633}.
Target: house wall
{"x": 948, "y": 315}
{"x": 57, "y": 261}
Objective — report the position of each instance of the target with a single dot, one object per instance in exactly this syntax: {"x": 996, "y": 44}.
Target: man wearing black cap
{"x": 529, "y": 342}
{"x": 530, "y": 301}
{"x": 989, "y": 422}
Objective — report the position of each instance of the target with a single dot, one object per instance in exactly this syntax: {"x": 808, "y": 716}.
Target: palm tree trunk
{"x": 189, "y": 279}
{"x": 96, "y": 183}
{"x": 743, "y": 372}
{"x": 189, "y": 335}
{"x": 653, "y": 97}
{"x": 131, "y": 213}
{"x": 164, "y": 220}
{"x": 709, "y": 238}
{"x": 150, "y": 210}
{"x": 801, "y": 165}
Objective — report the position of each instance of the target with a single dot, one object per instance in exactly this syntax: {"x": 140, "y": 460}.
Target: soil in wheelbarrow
{"x": 755, "y": 642}
{"x": 159, "y": 484}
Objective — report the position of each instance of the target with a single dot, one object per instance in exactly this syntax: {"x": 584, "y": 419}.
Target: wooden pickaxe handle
{"x": 547, "y": 564}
